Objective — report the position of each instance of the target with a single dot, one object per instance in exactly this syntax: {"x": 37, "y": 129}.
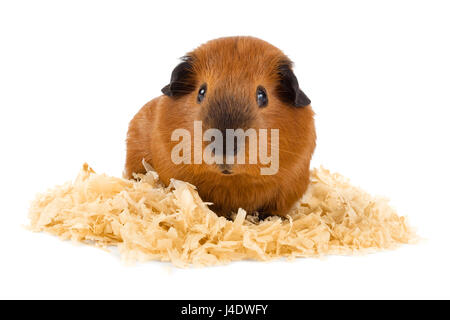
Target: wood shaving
{"x": 148, "y": 221}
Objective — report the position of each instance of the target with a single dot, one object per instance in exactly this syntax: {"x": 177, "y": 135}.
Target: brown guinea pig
{"x": 230, "y": 83}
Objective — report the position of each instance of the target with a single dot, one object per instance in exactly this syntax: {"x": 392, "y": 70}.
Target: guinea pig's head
{"x": 239, "y": 85}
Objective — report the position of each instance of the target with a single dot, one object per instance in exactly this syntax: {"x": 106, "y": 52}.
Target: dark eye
{"x": 201, "y": 93}
{"x": 261, "y": 97}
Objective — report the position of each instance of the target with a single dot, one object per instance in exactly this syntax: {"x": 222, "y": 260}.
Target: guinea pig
{"x": 229, "y": 84}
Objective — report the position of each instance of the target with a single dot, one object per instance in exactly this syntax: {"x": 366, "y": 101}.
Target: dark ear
{"x": 288, "y": 89}
{"x": 181, "y": 80}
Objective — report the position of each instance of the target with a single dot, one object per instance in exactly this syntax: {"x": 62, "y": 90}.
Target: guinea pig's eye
{"x": 261, "y": 97}
{"x": 201, "y": 93}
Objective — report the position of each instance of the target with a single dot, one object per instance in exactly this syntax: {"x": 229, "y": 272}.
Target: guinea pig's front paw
{"x": 262, "y": 215}
{"x": 258, "y": 216}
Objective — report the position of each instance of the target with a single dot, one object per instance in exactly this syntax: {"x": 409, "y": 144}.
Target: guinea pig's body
{"x": 230, "y": 83}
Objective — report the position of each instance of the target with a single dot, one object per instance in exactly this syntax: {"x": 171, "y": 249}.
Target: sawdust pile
{"x": 148, "y": 221}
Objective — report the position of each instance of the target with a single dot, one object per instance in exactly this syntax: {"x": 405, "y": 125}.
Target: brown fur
{"x": 232, "y": 68}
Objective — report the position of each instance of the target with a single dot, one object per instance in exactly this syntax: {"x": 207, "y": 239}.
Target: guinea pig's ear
{"x": 181, "y": 80}
{"x": 288, "y": 89}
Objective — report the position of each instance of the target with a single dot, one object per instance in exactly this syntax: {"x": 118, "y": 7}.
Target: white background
{"x": 73, "y": 73}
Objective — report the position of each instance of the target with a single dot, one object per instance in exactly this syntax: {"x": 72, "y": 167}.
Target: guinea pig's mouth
{"x": 225, "y": 169}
